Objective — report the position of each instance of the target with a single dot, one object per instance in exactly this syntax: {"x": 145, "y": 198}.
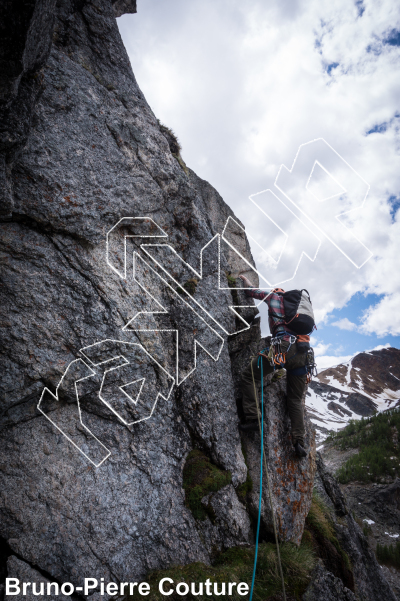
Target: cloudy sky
{"x": 245, "y": 85}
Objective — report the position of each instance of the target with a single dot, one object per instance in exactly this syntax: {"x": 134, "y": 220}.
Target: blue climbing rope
{"x": 261, "y": 476}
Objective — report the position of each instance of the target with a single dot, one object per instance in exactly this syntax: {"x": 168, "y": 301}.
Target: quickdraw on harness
{"x": 276, "y": 355}
{"x": 310, "y": 368}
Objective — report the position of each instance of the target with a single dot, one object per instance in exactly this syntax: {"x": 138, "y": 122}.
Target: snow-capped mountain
{"x": 368, "y": 383}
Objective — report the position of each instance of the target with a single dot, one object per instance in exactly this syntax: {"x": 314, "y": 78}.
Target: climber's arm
{"x": 253, "y": 292}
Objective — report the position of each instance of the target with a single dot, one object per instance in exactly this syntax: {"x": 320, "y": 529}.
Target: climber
{"x": 291, "y": 351}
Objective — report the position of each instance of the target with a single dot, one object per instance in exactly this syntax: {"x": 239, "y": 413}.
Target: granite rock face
{"x": 228, "y": 524}
{"x": 123, "y": 7}
{"x": 17, "y": 568}
{"x": 380, "y": 502}
{"x": 291, "y": 479}
{"x": 88, "y": 483}
{"x": 25, "y": 42}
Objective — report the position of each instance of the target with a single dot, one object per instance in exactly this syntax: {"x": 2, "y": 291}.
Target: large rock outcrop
{"x": 291, "y": 480}
{"x": 88, "y": 484}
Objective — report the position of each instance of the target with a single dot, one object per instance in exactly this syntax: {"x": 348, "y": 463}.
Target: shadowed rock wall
{"x": 81, "y": 149}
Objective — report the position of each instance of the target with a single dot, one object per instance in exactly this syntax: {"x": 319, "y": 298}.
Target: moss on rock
{"x": 320, "y": 532}
{"x": 200, "y": 477}
{"x": 231, "y": 279}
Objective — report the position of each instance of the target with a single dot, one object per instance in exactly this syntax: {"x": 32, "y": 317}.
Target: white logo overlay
{"x": 308, "y": 205}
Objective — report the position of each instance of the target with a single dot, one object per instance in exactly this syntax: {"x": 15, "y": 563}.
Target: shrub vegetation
{"x": 320, "y": 529}
{"x": 236, "y": 565}
{"x": 376, "y": 438}
{"x": 389, "y": 554}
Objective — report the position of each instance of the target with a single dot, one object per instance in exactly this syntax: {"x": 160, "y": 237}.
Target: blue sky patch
{"x": 360, "y": 7}
{"x": 394, "y": 202}
{"x": 380, "y": 128}
{"x": 375, "y": 48}
{"x": 393, "y": 38}
{"x": 348, "y": 342}
{"x": 330, "y": 67}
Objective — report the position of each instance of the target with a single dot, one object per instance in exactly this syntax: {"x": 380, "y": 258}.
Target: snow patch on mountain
{"x": 368, "y": 383}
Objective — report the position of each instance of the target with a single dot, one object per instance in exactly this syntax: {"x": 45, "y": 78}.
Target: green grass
{"x": 367, "y": 530}
{"x": 379, "y": 454}
{"x": 320, "y": 524}
{"x": 236, "y": 565}
{"x": 201, "y": 477}
{"x": 389, "y": 554}
{"x": 319, "y": 517}
{"x": 172, "y": 138}
{"x": 231, "y": 280}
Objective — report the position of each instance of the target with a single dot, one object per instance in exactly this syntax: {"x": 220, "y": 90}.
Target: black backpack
{"x": 299, "y": 314}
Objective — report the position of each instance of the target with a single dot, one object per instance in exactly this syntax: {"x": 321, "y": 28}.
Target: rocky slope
{"x": 368, "y": 383}
{"x": 376, "y": 507}
{"x": 331, "y": 581}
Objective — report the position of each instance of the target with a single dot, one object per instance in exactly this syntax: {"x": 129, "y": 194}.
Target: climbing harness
{"x": 276, "y": 355}
{"x": 310, "y": 368}
{"x": 263, "y": 460}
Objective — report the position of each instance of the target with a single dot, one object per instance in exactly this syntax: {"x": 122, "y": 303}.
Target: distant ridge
{"x": 367, "y": 383}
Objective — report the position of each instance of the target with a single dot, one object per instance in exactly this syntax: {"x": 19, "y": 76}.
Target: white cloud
{"x": 325, "y": 361}
{"x": 320, "y": 349}
{"x": 383, "y": 318}
{"x": 380, "y": 347}
{"x": 345, "y": 324}
{"x": 245, "y": 84}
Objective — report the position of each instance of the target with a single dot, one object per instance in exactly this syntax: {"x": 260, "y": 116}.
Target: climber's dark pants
{"x": 296, "y": 386}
